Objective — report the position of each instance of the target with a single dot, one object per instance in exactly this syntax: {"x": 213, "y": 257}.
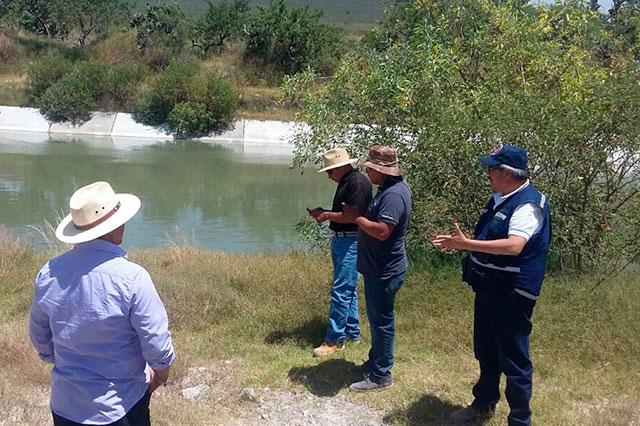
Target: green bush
{"x": 43, "y": 74}
{"x": 290, "y": 39}
{"x": 68, "y": 99}
{"x": 221, "y": 102}
{"x": 94, "y": 75}
{"x": 190, "y": 118}
{"x": 221, "y": 23}
{"x": 122, "y": 85}
{"x": 168, "y": 88}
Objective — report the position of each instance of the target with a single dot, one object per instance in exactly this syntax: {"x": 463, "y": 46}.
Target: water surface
{"x": 231, "y": 197}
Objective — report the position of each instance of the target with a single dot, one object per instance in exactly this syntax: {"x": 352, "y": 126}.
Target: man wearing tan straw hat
{"x": 97, "y": 317}
{"x": 382, "y": 260}
{"x": 353, "y": 189}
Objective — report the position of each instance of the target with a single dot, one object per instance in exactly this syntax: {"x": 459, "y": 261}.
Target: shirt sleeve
{"x": 525, "y": 221}
{"x": 391, "y": 209}
{"x": 149, "y": 318}
{"x": 359, "y": 195}
{"x": 40, "y": 331}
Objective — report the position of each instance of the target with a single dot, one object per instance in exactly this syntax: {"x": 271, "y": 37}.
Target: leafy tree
{"x": 290, "y": 39}
{"x": 458, "y": 78}
{"x": 163, "y": 25}
{"x": 221, "y": 22}
{"x": 90, "y": 16}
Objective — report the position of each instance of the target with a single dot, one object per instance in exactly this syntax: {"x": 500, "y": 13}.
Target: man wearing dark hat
{"x": 97, "y": 317}
{"x": 382, "y": 260}
{"x": 505, "y": 267}
{"x": 353, "y": 189}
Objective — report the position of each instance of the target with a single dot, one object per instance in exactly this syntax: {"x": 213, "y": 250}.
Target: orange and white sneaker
{"x": 327, "y": 349}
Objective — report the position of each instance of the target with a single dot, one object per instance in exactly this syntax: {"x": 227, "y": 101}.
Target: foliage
{"x": 451, "y": 80}
{"x": 222, "y": 22}
{"x": 290, "y": 39}
{"x": 94, "y": 75}
{"x": 122, "y": 85}
{"x": 160, "y": 26}
{"x": 168, "y": 88}
{"x": 68, "y": 99}
{"x": 189, "y": 118}
{"x": 59, "y": 18}
{"x": 188, "y": 103}
{"x": 44, "y": 73}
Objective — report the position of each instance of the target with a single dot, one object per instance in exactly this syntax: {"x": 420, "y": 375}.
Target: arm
{"x": 378, "y": 230}
{"x": 510, "y": 246}
{"x": 40, "y": 332}
{"x": 149, "y": 318}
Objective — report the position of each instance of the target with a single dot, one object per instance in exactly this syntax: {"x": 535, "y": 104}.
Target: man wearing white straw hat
{"x": 353, "y": 189}
{"x": 97, "y": 317}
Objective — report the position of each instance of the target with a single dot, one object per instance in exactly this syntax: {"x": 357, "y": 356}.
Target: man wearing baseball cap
{"x": 353, "y": 189}
{"x": 97, "y": 317}
{"x": 505, "y": 267}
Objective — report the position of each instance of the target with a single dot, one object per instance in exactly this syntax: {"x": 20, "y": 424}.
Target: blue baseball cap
{"x": 510, "y": 155}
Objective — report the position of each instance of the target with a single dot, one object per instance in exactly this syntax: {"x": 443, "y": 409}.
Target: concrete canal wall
{"x": 123, "y": 126}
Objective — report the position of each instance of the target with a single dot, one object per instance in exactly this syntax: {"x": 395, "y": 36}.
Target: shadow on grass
{"x": 310, "y": 333}
{"x": 324, "y": 379}
{"x": 429, "y": 410}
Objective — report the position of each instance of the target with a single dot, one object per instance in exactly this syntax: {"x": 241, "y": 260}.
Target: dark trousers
{"x": 137, "y": 416}
{"x": 502, "y": 325}
{"x": 380, "y": 297}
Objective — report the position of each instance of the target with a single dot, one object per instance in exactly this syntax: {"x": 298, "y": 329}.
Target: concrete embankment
{"x": 123, "y": 126}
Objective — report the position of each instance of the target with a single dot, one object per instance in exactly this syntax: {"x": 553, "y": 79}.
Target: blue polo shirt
{"x": 386, "y": 259}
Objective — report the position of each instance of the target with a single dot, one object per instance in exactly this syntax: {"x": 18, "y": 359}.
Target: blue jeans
{"x": 343, "y": 312}
{"x": 380, "y": 296}
{"x": 502, "y": 325}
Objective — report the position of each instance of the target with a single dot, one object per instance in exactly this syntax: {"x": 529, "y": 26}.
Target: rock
{"x": 248, "y": 394}
{"x": 194, "y": 392}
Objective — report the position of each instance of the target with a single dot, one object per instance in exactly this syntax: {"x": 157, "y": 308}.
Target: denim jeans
{"x": 380, "y": 296}
{"x": 343, "y": 312}
{"x": 502, "y": 325}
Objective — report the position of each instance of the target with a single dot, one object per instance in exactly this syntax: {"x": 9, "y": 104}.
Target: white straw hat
{"x": 96, "y": 210}
{"x": 334, "y": 158}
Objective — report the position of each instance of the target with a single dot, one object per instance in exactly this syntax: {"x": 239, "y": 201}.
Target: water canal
{"x": 230, "y": 197}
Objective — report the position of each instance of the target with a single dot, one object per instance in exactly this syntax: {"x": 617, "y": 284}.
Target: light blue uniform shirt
{"x": 98, "y": 319}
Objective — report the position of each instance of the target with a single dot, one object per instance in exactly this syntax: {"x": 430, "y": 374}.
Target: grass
{"x": 254, "y": 319}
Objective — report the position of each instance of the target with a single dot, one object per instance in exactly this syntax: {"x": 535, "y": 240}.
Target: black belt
{"x": 343, "y": 234}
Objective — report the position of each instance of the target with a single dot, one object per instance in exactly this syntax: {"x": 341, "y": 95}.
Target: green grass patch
{"x": 267, "y": 312}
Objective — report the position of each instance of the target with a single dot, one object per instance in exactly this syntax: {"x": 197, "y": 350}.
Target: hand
{"x": 315, "y": 212}
{"x": 323, "y": 216}
{"x": 350, "y": 213}
{"x": 456, "y": 241}
{"x": 157, "y": 378}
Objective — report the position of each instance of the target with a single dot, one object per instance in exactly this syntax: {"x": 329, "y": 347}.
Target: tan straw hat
{"x": 334, "y": 158}
{"x": 96, "y": 210}
{"x": 383, "y": 159}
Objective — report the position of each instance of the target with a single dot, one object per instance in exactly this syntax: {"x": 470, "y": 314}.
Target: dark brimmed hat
{"x": 383, "y": 159}
{"x": 509, "y": 155}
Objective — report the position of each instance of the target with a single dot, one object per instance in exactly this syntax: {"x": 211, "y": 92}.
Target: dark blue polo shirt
{"x": 386, "y": 259}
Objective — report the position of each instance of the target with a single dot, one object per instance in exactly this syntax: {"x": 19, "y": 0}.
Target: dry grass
{"x": 252, "y": 320}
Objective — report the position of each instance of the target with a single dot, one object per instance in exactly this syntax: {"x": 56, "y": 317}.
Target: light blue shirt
{"x": 98, "y": 319}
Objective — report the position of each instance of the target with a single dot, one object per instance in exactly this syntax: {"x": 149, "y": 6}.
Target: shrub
{"x": 122, "y": 86}
{"x": 168, "y": 88}
{"x": 290, "y": 39}
{"x": 68, "y": 99}
{"x": 221, "y": 102}
{"x": 190, "y": 118}
{"x": 94, "y": 75}
{"x": 221, "y": 22}
{"x": 43, "y": 74}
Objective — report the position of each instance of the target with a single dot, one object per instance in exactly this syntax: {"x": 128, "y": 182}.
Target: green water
{"x": 229, "y": 197}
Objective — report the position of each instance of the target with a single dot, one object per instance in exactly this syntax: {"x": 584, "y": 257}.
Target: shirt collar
{"x": 390, "y": 181}
{"x": 498, "y": 198}
{"x": 346, "y": 175}
{"x": 102, "y": 245}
